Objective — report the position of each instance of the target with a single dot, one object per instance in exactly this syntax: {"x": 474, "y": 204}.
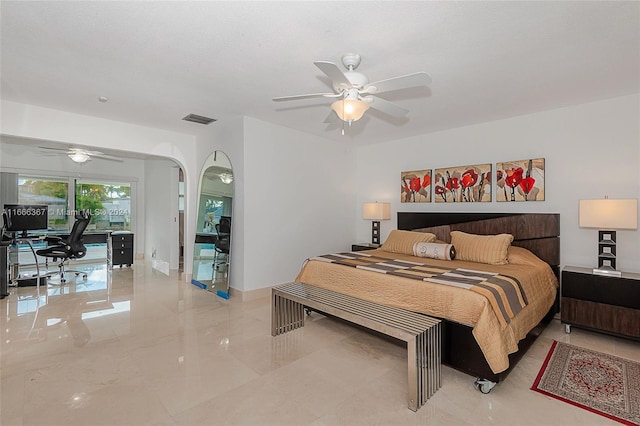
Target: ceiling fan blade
{"x": 307, "y": 96}
{"x": 107, "y": 157}
{"x": 60, "y": 150}
{"x": 386, "y": 106}
{"x": 339, "y": 80}
{"x": 396, "y": 83}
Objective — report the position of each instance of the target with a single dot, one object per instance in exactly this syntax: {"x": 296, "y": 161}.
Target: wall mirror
{"x": 211, "y": 254}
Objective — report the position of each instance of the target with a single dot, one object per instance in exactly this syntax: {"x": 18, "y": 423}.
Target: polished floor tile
{"x": 136, "y": 347}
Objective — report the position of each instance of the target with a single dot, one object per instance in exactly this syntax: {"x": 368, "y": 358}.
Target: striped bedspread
{"x": 504, "y": 293}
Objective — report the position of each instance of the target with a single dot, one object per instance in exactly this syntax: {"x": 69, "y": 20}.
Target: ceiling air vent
{"x": 194, "y": 118}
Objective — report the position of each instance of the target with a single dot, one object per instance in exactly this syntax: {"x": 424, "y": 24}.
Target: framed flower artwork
{"x": 464, "y": 184}
{"x": 521, "y": 180}
{"x": 415, "y": 186}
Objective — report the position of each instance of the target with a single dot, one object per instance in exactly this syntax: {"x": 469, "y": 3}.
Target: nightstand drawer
{"x": 601, "y": 317}
{"x": 600, "y": 289}
{"x": 601, "y": 303}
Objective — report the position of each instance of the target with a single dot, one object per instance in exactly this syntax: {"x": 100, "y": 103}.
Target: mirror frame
{"x": 221, "y": 160}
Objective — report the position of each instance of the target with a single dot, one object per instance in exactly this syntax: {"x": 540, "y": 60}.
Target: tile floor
{"x": 136, "y": 347}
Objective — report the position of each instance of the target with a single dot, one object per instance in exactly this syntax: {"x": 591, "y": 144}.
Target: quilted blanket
{"x": 503, "y": 292}
{"x": 450, "y": 302}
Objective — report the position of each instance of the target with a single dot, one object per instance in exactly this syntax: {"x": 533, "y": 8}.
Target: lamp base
{"x": 375, "y": 232}
{"x": 609, "y": 272}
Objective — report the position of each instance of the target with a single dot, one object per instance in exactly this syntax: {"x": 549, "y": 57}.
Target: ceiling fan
{"x": 355, "y": 95}
{"x": 79, "y": 155}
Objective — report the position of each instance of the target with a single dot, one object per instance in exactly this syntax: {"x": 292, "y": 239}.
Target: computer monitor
{"x": 26, "y": 217}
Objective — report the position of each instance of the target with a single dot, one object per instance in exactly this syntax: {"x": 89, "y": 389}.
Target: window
{"x": 108, "y": 202}
{"x": 50, "y": 191}
{"x": 211, "y": 208}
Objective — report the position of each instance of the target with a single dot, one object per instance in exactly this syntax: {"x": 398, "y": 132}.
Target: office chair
{"x": 68, "y": 248}
{"x": 223, "y": 243}
{"x": 5, "y": 238}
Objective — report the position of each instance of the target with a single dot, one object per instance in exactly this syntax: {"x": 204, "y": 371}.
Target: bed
{"x": 476, "y": 341}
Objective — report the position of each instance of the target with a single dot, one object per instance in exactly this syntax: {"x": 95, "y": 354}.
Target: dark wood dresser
{"x": 122, "y": 248}
{"x": 601, "y": 303}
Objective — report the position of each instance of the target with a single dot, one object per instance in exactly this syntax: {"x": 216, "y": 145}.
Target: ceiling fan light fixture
{"x": 79, "y": 157}
{"x": 226, "y": 178}
{"x": 350, "y": 109}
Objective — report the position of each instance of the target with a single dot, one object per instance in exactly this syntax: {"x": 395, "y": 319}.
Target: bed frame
{"x": 537, "y": 232}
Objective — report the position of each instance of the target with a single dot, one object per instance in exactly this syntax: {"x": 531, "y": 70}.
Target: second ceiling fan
{"x": 355, "y": 95}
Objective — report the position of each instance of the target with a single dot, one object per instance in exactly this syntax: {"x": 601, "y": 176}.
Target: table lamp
{"x": 376, "y": 212}
{"x": 607, "y": 216}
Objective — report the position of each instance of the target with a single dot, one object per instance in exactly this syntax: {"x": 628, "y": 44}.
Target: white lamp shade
{"x": 609, "y": 214}
{"x": 350, "y": 109}
{"x": 376, "y": 211}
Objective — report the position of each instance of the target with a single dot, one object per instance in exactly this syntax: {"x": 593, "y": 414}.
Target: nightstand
{"x": 601, "y": 303}
{"x": 364, "y": 246}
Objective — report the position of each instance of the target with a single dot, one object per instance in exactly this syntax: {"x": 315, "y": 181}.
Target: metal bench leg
{"x": 413, "y": 363}
{"x": 423, "y": 353}
{"x": 286, "y": 315}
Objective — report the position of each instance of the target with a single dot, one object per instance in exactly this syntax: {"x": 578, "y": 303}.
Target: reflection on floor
{"x": 137, "y": 347}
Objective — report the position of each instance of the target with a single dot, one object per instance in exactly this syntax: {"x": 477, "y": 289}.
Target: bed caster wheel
{"x": 307, "y": 311}
{"x": 484, "y": 385}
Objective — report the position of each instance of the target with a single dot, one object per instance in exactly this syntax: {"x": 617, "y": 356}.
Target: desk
{"x": 14, "y": 276}
{"x": 14, "y": 263}
{"x": 4, "y": 271}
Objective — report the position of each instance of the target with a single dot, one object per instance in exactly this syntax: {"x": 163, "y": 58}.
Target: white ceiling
{"x": 159, "y": 61}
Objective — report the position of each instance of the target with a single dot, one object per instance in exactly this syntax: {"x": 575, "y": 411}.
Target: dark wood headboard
{"x": 537, "y": 232}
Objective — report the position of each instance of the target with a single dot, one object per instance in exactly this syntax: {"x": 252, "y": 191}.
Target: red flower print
{"x": 441, "y": 191}
{"x": 452, "y": 184}
{"x": 527, "y": 184}
{"x": 514, "y": 176}
{"x": 513, "y": 179}
{"x": 415, "y": 185}
{"x": 469, "y": 178}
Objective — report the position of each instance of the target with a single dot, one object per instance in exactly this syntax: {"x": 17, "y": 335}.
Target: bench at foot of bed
{"x": 421, "y": 333}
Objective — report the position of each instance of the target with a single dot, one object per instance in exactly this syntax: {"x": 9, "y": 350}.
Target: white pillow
{"x": 434, "y": 251}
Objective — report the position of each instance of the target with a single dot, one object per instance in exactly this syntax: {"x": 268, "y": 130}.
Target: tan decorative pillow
{"x": 491, "y": 249}
{"x": 403, "y": 241}
{"x": 434, "y": 251}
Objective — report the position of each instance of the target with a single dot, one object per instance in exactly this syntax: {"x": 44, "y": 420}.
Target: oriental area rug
{"x": 601, "y": 383}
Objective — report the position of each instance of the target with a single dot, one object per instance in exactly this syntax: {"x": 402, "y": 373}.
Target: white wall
{"x": 590, "y": 150}
{"x": 298, "y": 201}
{"x": 293, "y": 198}
{"x": 161, "y": 213}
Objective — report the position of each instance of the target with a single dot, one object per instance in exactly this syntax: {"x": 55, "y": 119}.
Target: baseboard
{"x": 249, "y": 295}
